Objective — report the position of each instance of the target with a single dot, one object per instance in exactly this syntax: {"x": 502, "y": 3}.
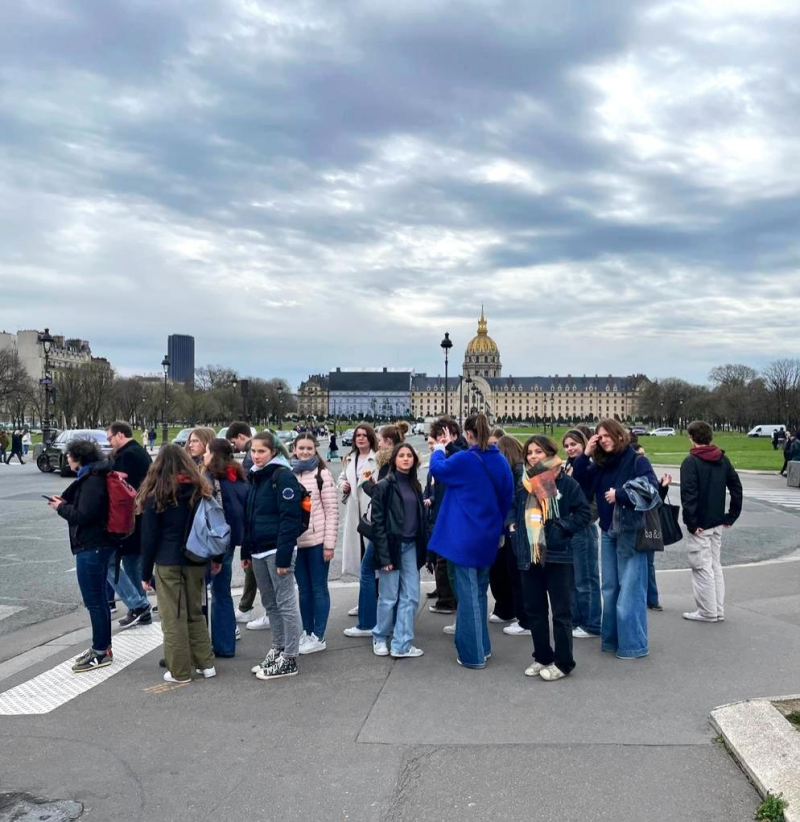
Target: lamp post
{"x": 164, "y": 432}
{"x": 234, "y": 385}
{"x": 552, "y": 413}
{"x": 47, "y": 342}
{"x": 469, "y": 382}
{"x": 280, "y": 407}
{"x": 245, "y": 392}
{"x": 680, "y": 414}
{"x": 446, "y": 345}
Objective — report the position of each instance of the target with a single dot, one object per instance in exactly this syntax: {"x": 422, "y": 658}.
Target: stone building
{"x": 64, "y": 353}
{"x": 312, "y": 397}
{"x": 368, "y": 393}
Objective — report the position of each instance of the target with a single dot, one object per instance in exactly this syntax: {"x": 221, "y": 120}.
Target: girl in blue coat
{"x": 468, "y": 530}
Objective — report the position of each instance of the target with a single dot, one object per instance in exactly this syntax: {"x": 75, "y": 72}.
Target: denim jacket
{"x": 644, "y": 497}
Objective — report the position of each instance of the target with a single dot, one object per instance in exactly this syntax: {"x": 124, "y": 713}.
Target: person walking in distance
{"x": 705, "y": 475}
{"x": 316, "y": 545}
{"x": 16, "y": 447}
{"x": 26, "y": 441}
{"x": 151, "y": 436}
{"x": 3, "y": 445}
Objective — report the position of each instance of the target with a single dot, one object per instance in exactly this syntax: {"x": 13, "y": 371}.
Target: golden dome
{"x": 482, "y": 343}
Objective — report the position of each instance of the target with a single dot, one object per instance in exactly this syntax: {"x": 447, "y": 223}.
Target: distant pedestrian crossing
{"x": 784, "y": 497}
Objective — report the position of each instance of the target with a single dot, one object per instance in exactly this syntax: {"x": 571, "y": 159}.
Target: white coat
{"x": 355, "y": 507}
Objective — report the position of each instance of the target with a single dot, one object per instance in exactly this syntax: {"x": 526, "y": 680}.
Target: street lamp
{"x": 165, "y": 366}
{"x": 280, "y": 407}
{"x": 552, "y": 414}
{"x": 446, "y": 345}
{"x": 234, "y": 385}
{"x": 469, "y": 382}
{"x": 680, "y": 414}
{"x": 47, "y": 343}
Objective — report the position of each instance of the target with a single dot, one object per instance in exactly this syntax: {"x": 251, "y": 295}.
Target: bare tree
{"x": 98, "y": 384}
{"x": 782, "y": 381}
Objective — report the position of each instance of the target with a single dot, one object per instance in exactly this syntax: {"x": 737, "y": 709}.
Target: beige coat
{"x": 323, "y": 527}
{"x": 356, "y": 505}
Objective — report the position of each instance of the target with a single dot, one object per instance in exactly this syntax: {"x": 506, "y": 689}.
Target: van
{"x": 765, "y": 430}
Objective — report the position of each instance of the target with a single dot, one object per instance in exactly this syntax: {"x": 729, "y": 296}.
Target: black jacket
{"x": 387, "y": 524}
{"x": 164, "y": 534}
{"x": 273, "y": 518}
{"x": 234, "y": 493}
{"x": 133, "y": 461}
{"x": 703, "y": 485}
{"x": 558, "y": 532}
{"x": 85, "y": 508}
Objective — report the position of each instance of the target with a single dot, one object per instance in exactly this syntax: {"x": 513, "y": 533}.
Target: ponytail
{"x": 478, "y": 426}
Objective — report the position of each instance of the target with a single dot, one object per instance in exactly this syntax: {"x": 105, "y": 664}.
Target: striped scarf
{"x": 542, "y": 503}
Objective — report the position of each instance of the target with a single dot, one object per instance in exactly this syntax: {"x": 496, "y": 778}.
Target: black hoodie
{"x": 705, "y": 474}
{"x": 85, "y": 508}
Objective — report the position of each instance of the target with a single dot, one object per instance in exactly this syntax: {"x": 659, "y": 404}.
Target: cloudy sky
{"x": 310, "y": 184}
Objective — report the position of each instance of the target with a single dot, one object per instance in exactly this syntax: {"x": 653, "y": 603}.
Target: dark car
{"x": 640, "y": 431}
{"x": 52, "y": 455}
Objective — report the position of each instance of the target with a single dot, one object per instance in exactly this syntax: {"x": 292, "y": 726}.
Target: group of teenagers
{"x": 493, "y": 511}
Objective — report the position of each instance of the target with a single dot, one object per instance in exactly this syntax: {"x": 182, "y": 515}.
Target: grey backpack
{"x": 209, "y": 535}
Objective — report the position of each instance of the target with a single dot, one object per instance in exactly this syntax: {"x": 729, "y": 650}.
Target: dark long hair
{"x": 412, "y": 474}
{"x": 172, "y": 468}
{"x": 511, "y": 449}
{"x": 478, "y": 426}
{"x": 544, "y": 442}
{"x": 618, "y": 433}
{"x": 222, "y": 459}
{"x": 370, "y": 432}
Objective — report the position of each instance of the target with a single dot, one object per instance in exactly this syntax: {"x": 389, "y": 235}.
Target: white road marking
{"x": 7, "y": 610}
{"x": 59, "y": 685}
{"x": 785, "y": 498}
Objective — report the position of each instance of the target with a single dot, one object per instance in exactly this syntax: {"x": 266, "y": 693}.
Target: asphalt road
{"x": 37, "y": 571}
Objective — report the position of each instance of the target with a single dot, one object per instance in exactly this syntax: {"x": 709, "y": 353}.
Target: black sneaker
{"x": 90, "y": 660}
{"x": 135, "y": 616}
{"x": 147, "y": 616}
{"x": 432, "y": 594}
{"x": 112, "y": 606}
{"x": 284, "y": 666}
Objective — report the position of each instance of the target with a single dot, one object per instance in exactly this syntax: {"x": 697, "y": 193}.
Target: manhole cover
{"x": 22, "y": 807}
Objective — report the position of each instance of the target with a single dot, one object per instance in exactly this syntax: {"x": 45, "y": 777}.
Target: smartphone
{"x": 47, "y": 497}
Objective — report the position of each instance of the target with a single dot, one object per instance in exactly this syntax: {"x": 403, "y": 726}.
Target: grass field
{"x": 743, "y": 451}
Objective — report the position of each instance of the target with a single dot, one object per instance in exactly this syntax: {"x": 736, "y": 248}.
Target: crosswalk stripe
{"x": 786, "y": 499}
{"x": 59, "y": 685}
{"x": 9, "y": 610}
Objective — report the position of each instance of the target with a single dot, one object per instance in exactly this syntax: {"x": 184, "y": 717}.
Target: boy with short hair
{"x": 705, "y": 474}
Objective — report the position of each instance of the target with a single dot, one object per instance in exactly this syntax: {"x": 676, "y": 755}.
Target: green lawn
{"x": 744, "y": 452}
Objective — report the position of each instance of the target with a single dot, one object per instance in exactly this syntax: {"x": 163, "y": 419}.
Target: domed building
{"x": 482, "y": 356}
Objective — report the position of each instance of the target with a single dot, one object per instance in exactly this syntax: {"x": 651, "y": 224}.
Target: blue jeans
{"x": 472, "y": 627}
{"x": 92, "y": 570}
{"x": 652, "y": 588}
{"x": 124, "y": 588}
{"x": 367, "y": 592}
{"x": 586, "y": 604}
{"x": 399, "y": 587}
{"x": 132, "y": 564}
{"x": 311, "y": 573}
{"x": 223, "y": 619}
{"x": 624, "y": 625}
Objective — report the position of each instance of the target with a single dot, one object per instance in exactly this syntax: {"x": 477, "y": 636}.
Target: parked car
{"x": 764, "y": 430}
{"x": 52, "y": 456}
{"x": 347, "y": 437}
{"x": 287, "y": 437}
{"x": 662, "y": 432}
{"x": 640, "y": 431}
{"x": 182, "y": 437}
{"x": 420, "y": 428}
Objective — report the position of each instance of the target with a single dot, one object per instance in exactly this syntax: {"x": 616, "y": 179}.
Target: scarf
{"x": 542, "y": 504}
{"x": 709, "y": 453}
{"x": 301, "y": 466}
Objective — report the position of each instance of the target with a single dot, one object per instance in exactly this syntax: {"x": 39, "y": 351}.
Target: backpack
{"x": 121, "y": 505}
{"x": 305, "y": 497}
{"x": 209, "y": 535}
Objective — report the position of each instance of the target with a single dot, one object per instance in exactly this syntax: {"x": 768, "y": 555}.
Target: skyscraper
{"x": 180, "y": 348}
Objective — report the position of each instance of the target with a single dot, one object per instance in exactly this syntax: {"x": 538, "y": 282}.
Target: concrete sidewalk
{"x": 359, "y": 737}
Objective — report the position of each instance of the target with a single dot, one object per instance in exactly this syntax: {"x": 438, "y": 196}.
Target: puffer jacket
{"x": 85, "y": 508}
{"x": 323, "y": 526}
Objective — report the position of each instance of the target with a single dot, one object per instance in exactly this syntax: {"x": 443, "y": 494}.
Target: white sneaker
{"x": 551, "y": 673}
{"x": 238, "y": 633}
{"x": 304, "y": 637}
{"x": 535, "y": 669}
{"x": 206, "y": 673}
{"x": 449, "y": 629}
{"x": 357, "y": 631}
{"x": 495, "y": 618}
{"x": 696, "y": 616}
{"x": 720, "y": 618}
{"x": 579, "y": 633}
{"x": 245, "y": 616}
{"x": 260, "y": 624}
{"x": 380, "y": 648}
{"x": 313, "y": 644}
{"x": 515, "y": 629}
{"x": 353, "y": 611}
{"x": 411, "y": 653}
{"x": 168, "y": 677}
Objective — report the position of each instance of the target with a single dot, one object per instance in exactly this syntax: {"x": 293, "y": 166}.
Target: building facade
{"x": 64, "y": 352}
{"x": 180, "y": 350}
{"x": 365, "y": 393}
{"x": 312, "y": 397}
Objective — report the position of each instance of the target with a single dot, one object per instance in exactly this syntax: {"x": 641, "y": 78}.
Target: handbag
{"x": 670, "y": 522}
{"x": 650, "y": 536}
{"x": 364, "y": 526}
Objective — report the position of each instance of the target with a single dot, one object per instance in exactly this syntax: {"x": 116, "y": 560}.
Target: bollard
{"x": 793, "y": 474}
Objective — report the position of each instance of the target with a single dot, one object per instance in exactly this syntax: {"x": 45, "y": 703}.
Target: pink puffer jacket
{"x": 324, "y": 524}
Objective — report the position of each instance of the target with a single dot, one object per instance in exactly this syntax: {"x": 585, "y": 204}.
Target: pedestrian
{"x": 705, "y": 475}
{"x": 130, "y": 459}
{"x": 587, "y": 607}
{"x": 316, "y": 544}
{"x": 230, "y": 489}
{"x": 794, "y": 451}
{"x": 400, "y": 541}
{"x": 273, "y": 523}
{"x": 606, "y": 465}
{"x": 446, "y": 432}
{"x": 26, "y": 441}
{"x": 84, "y": 505}
{"x": 3, "y": 445}
{"x": 358, "y": 470}
{"x": 505, "y": 581}
{"x": 151, "y": 435}
{"x": 775, "y": 438}
{"x": 480, "y": 490}
{"x": 197, "y": 443}
{"x": 167, "y": 501}
{"x": 333, "y": 448}
{"x": 16, "y": 447}
{"x": 549, "y": 509}
{"x": 787, "y": 452}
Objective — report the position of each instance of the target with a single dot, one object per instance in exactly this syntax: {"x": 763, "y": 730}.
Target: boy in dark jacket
{"x": 273, "y": 521}
{"x": 705, "y": 474}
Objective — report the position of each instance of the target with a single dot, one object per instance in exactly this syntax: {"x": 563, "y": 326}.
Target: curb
{"x": 765, "y": 745}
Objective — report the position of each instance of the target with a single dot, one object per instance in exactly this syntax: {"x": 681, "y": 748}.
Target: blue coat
{"x": 480, "y": 491}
